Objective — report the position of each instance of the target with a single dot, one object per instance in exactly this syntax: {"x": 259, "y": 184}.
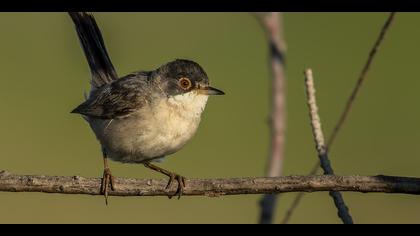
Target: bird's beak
{"x": 210, "y": 91}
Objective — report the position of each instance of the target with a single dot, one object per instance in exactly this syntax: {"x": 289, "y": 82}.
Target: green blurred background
{"x": 44, "y": 74}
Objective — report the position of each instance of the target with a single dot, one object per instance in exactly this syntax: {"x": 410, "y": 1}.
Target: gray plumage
{"x": 143, "y": 116}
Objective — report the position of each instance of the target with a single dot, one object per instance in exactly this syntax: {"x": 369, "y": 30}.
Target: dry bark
{"x": 210, "y": 187}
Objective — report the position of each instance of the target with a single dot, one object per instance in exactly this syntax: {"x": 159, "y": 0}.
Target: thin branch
{"x": 348, "y": 106}
{"x": 273, "y": 26}
{"x": 343, "y": 211}
{"x": 210, "y": 187}
{"x": 297, "y": 199}
{"x": 361, "y": 79}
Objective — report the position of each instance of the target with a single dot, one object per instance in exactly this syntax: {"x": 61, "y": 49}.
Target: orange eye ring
{"x": 185, "y": 83}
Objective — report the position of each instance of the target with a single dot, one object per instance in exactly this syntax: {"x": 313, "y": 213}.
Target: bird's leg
{"x": 172, "y": 176}
{"x": 107, "y": 179}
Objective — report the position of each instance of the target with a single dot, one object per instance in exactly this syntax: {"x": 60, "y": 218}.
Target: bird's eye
{"x": 185, "y": 83}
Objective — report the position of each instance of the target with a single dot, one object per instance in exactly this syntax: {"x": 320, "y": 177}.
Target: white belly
{"x": 153, "y": 132}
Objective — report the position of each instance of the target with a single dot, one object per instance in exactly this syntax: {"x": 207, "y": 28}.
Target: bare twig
{"x": 361, "y": 79}
{"x": 343, "y": 211}
{"x": 210, "y": 187}
{"x": 297, "y": 199}
{"x": 273, "y": 27}
{"x": 347, "y": 108}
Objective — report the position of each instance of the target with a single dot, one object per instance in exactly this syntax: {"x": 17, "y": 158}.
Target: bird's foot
{"x": 172, "y": 176}
{"x": 107, "y": 181}
{"x": 181, "y": 184}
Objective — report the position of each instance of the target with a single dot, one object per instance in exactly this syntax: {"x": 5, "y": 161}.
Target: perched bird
{"x": 144, "y": 116}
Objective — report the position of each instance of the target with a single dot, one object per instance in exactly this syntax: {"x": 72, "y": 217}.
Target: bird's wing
{"x": 117, "y": 99}
{"x": 90, "y": 37}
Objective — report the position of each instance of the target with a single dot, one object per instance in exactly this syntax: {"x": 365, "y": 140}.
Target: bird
{"x": 144, "y": 116}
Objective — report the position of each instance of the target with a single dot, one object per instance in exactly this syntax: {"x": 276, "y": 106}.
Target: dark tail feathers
{"x": 90, "y": 37}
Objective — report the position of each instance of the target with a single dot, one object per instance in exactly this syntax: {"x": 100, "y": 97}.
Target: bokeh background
{"x": 44, "y": 74}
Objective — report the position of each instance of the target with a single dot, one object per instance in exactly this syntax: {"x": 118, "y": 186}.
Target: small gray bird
{"x": 144, "y": 116}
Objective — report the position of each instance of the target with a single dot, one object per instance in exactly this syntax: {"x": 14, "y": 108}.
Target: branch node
{"x": 4, "y": 173}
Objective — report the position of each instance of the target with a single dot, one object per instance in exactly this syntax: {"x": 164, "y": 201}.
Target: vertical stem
{"x": 343, "y": 211}
{"x": 273, "y": 27}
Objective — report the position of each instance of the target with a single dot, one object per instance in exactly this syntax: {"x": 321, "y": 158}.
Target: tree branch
{"x": 297, "y": 199}
{"x": 347, "y": 108}
{"x": 272, "y": 23}
{"x": 210, "y": 187}
{"x": 360, "y": 80}
{"x": 343, "y": 211}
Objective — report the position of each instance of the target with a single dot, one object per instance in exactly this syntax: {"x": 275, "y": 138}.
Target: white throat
{"x": 191, "y": 103}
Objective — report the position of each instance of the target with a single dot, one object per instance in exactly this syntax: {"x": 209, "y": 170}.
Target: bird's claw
{"x": 181, "y": 184}
{"x": 107, "y": 181}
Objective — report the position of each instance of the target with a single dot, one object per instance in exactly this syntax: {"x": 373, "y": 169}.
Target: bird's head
{"x": 181, "y": 77}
